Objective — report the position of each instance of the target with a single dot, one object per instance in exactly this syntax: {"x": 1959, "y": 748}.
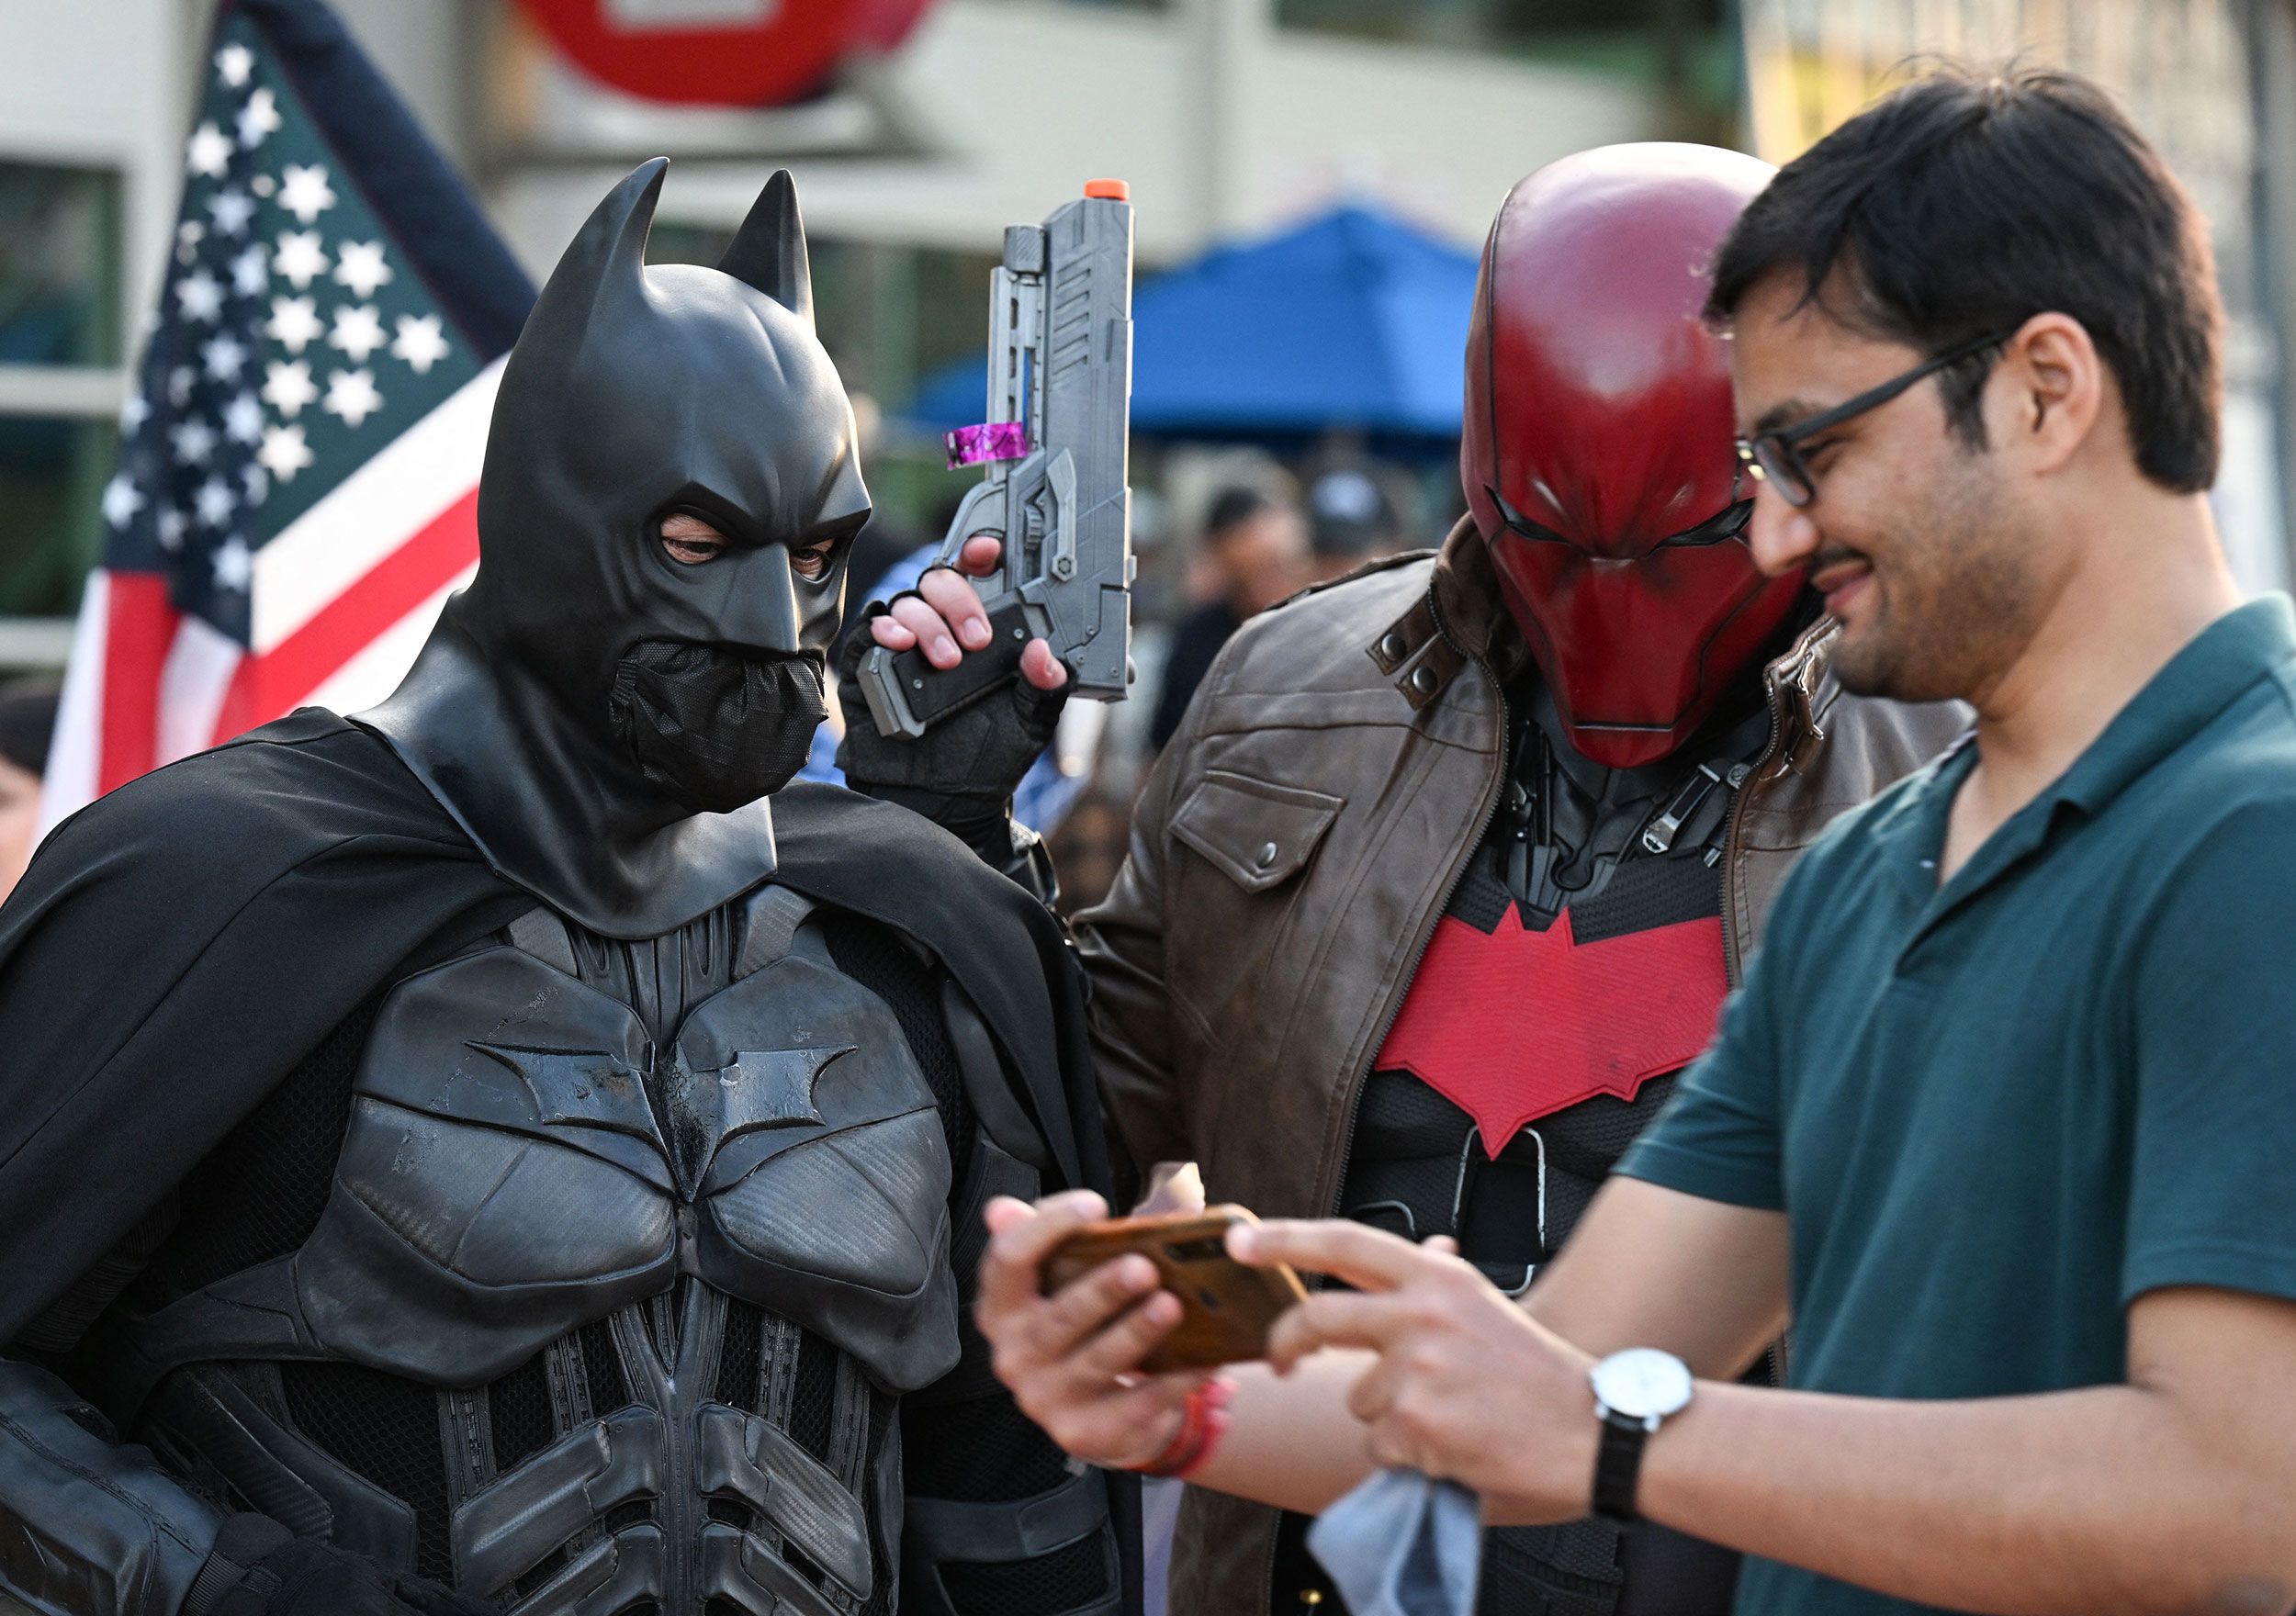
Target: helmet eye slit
{"x": 1729, "y": 523}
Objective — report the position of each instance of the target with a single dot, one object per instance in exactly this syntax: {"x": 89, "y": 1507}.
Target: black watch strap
{"x": 1617, "y": 1464}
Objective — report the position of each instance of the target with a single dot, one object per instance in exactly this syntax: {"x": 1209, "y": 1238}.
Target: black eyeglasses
{"x": 1775, "y": 456}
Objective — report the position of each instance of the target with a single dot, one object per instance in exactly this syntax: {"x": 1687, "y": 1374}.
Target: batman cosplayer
{"x": 485, "y": 1154}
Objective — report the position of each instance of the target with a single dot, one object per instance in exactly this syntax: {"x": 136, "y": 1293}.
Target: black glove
{"x": 260, "y": 1568}
{"x": 961, "y": 773}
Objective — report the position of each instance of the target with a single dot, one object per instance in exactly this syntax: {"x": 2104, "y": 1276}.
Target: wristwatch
{"x": 1636, "y": 1391}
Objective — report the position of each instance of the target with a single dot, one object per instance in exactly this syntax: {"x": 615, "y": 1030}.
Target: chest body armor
{"x": 630, "y": 1247}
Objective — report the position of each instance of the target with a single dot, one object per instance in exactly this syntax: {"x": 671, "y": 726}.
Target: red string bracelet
{"x": 1203, "y": 1422}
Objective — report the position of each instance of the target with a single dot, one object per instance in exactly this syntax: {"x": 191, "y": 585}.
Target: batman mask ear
{"x": 769, "y": 250}
{"x": 606, "y": 257}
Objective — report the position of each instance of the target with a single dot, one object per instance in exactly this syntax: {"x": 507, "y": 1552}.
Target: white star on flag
{"x": 215, "y": 501}
{"x": 351, "y": 395}
{"x": 208, "y": 152}
{"x": 258, "y": 119}
{"x": 358, "y": 331}
{"x": 234, "y": 564}
{"x": 249, "y": 276}
{"x": 172, "y": 525}
{"x": 299, "y": 258}
{"x": 283, "y": 452}
{"x": 201, "y": 296}
{"x": 293, "y": 323}
{"x": 231, "y": 208}
{"x": 243, "y": 419}
{"x": 179, "y": 385}
{"x": 257, "y": 483}
{"x": 224, "y": 354}
{"x": 133, "y": 414}
{"x": 359, "y": 265}
{"x": 420, "y": 343}
{"x": 304, "y": 191}
{"x": 234, "y": 62}
{"x": 286, "y": 389}
{"x": 195, "y": 441}
{"x": 122, "y": 500}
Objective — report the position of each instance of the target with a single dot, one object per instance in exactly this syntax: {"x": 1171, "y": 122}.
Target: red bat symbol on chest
{"x": 1516, "y": 1025}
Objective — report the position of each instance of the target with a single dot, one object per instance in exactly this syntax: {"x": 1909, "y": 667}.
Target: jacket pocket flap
{"x": 1256, "y": 833}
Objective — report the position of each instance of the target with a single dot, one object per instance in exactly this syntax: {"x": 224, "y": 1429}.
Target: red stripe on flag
{"x": 269, "y": 685}
{"x": 138, "y": 630}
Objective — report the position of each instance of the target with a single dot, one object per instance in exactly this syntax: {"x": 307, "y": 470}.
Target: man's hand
{"x": 944, "y": 616}
{"x": 1467, "y": 1386}
{"x": 961, "y": 771}
{"x": 1072, "y": 1361}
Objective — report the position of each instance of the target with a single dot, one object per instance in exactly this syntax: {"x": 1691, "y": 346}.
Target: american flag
{"x": 297, "y": 484}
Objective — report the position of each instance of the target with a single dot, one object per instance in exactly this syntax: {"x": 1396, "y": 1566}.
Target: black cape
{"x": 178, "y": 946}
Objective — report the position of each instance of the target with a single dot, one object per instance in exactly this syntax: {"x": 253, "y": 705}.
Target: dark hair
{"x": 1234, "y": 508}
{"x": 1967, "y": 202}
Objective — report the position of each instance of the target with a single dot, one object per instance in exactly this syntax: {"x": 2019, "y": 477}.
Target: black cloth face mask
{"x": 715, "y": 728}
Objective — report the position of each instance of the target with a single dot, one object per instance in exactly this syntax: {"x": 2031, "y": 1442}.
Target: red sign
{"x": 727, "y": 53}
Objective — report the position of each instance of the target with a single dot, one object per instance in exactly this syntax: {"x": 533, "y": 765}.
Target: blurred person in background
{"x": 1352, "y": 520}
{"x": 1447, "y": 870}
{"x": 28, "y": 721}
{"x": 1257, "y": 547}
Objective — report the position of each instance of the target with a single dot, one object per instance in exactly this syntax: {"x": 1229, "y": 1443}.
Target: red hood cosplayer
{"x": 1597, "y": 456}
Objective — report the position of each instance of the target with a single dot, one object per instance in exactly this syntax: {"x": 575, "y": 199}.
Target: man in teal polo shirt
{"x": 2003, "y": 1118}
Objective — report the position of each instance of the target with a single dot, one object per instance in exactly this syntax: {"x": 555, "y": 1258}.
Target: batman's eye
{"x": 812, "y": 561}
{"x": 690, "y": 541}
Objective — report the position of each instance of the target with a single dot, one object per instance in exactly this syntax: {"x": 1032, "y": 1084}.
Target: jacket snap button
{"x": 1424, "y": 680}
{"x": 1267, "y": 855}
{"x": 1393, "y": 647}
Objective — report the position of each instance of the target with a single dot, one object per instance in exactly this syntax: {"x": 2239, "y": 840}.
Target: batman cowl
{"x": 603, "y": 720}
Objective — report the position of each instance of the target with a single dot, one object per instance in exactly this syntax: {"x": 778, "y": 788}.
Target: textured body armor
{"x": 1615, "y": 855}
{"x": 627, "y": 1256}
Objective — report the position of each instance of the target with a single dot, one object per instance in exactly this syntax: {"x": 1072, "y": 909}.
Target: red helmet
{"x": 1597, "y": 457}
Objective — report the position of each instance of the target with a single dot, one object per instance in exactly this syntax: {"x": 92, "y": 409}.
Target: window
{"x": 1681, "y": 46}
{"x": 60, "y": 352}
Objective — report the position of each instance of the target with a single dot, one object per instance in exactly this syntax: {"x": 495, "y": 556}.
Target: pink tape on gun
{"x": 995, "y": 440}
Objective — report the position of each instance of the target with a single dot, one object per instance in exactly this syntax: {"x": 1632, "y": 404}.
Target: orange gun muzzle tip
{"x": 1113, "y": 190}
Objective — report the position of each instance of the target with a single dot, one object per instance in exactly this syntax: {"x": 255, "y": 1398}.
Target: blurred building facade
{"x": 1228, "y": 118}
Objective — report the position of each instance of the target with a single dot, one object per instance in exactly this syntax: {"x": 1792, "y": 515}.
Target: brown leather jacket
{"x": 1290, "y": 855}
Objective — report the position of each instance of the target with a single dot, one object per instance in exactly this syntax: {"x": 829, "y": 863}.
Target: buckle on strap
{"x": 1502, "y": 1274}
{"x": 1471, "y": 1165}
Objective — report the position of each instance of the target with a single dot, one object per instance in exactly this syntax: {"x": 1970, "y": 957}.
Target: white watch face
{"x": 1642, "y": 1383}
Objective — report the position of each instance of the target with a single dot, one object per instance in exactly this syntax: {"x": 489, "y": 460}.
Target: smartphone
{"x": 1227, "y": 1307}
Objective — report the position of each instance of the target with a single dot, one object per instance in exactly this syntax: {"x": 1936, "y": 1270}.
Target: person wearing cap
{"x": 1258, "y": 549}
{"x": 1352, "y": 521}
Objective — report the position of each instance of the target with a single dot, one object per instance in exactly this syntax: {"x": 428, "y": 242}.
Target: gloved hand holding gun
{"x": 1030, "y": 598}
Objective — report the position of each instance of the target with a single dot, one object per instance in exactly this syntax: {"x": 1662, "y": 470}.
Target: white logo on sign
{"x": 635, "y": 16}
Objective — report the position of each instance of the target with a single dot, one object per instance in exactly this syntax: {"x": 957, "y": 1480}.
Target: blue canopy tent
{"x": 1353, "y": 321}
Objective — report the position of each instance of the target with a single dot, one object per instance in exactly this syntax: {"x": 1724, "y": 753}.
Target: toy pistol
{"x": 1060, "y": 388}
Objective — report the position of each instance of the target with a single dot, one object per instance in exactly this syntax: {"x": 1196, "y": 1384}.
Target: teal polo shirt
{"x": 1995, "y": 1112}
